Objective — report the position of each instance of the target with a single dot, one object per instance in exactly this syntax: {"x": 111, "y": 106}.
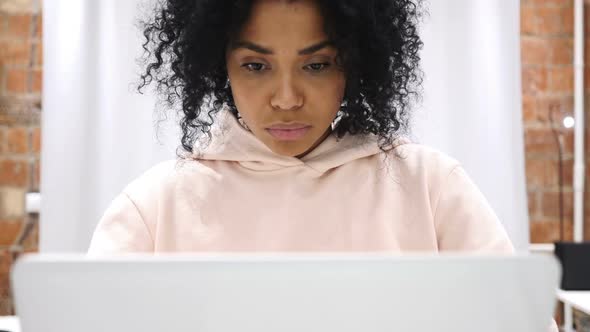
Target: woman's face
{"x": 283, "y": 75}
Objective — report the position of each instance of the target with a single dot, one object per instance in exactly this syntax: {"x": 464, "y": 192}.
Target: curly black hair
{"x": 378, "y": 48}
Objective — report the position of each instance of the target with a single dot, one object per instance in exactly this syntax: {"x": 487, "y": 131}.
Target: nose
{"x": 287, "y": 96}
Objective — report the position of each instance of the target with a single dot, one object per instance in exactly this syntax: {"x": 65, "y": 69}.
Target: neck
{"x": 318, "y": 142}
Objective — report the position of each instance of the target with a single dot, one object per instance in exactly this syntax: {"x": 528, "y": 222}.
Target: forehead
{"x": 279, "y": 23}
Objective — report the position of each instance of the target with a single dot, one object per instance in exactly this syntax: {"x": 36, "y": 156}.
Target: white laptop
{"x": 290, "y": 293}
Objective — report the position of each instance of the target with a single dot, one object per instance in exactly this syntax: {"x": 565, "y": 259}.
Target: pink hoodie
{"x": 345, "y": 195}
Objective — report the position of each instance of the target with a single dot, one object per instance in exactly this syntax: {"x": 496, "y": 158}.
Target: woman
{"x": 293, "y": 118}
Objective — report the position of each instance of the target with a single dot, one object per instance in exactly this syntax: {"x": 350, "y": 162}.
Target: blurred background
{"x": 499, "y": 82}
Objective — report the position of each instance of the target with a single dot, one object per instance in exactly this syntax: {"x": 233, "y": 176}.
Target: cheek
{"x": 242, "y": 89}
{"x": 247, "y": 96}
{"x": 340, "y": 86}
{"x": 330, "y": 93}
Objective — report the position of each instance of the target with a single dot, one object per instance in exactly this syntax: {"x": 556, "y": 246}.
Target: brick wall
{"x": 547, "y": 46}
{"x": 547, "y": 43}
{"x": 20, "y": 139}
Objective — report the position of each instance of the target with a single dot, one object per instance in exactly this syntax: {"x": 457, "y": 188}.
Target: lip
{"x": 288, "y": 131}
{"x": 288, "y": 125}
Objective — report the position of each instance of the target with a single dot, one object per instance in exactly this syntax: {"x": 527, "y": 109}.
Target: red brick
{"x": 587, "y": 78}
{"x": 13, "y": 173}
{"x": 36, "y": 81}
{"x": 568, "y": 142}
{"x": 587, "y": 188}
{"x": 529, "y": 109}
{"x": 40, "y": 25}
{"x": 534, "y": 80}
{"x": 19, "y": 25}
{"x": 15, "y": 52}
{"x": 6, "y": 307}
{"x": 9, "y": 230}
{"x": 528, "y": 21}
{"x": 587, "y": 202}
{"x": 547, "y": 51}
{"x": 560, "y": 3}
{"x": 540, "y": 141}
{"x": 17, "y": 140}
{"x": 549, "y": 3}
{"x": 561, "y": 107}
{"x": 550, "y": 205}
{"x": 31, "y": 241}
{"x": 567, "y": 172}
{"x": 562, "y": 51}
{"x": 567, "y": 20}
{"x": 550, "y": 21}
{"x": 535, "y": 173}
{"x": 36, "y": 182}
{"x": 561, "y": 79}
{"x": 587, "y": 210}
{"x": 36, "y": 140}
{"x": 2, "y": 141}
{"x": 16, "y": 81}
{"x": 39, "y": 55}
{"x": 533, "y": 203}
{"x": 5, "y": 263}
{"x": 586, "y": 146}
{"x": 542, "y": 174}
{"x": 542, "y": 231}
{"x": 535, "y": 51}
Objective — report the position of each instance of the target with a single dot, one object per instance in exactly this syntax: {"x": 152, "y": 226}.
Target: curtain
{"x": 471, "y": 107}
{"x": 98, "y": 134}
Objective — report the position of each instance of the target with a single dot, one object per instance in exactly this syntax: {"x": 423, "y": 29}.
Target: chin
{"x": 289, "y": 151}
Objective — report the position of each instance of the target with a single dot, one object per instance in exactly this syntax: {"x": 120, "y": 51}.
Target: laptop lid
{"x": 270, "y": 293}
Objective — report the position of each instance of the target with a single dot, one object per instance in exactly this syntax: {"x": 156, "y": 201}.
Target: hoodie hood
{"x": 232, "y": 142}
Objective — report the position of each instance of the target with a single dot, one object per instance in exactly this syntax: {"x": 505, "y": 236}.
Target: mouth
{"x": 288, "y": 131}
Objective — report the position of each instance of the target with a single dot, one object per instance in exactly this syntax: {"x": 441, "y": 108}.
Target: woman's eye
{"x": 317, "y": 66}
{"x": 254, "y": 66}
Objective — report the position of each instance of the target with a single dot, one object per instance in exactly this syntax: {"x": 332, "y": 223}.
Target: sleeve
{"x": 122, "y": 229}
{"x": 464, "y": 220}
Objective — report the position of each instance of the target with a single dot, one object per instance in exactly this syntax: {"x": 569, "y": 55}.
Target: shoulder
{"x": 462, "y": 217}
{"x": 413, "y": 159}
{"x": 164, "y": 178}
{"x": 152, "y": 178}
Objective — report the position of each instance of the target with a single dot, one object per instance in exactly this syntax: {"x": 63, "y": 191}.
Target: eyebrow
{"x": 263, "y": 50}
